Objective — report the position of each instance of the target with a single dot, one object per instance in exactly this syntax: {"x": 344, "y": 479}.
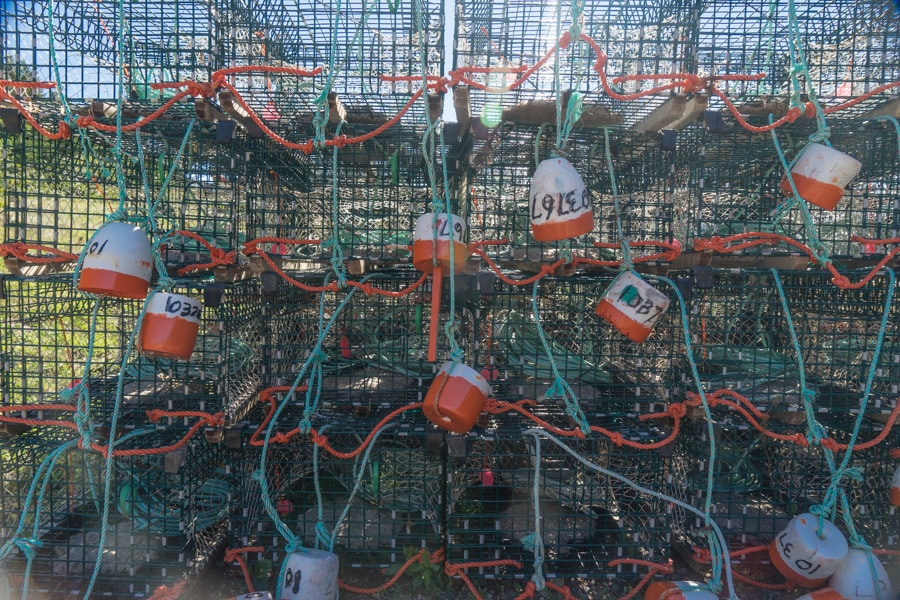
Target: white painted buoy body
{"x": 310, "y": 575}
{"x": 456, "y": 397}
{"x": 802, "y": 556}
{"x": 170, "y": 326}
{"x": 117, "y": 262}
{"x": 432, "y": 240}
{"x": 254, "y": 596}
{"x": 853, "y": 578}
{"x": 678, "y": 590}
{"x": 895, "y": 488}
{"x": 559, "y": 204}
{"x": 822, "y": 594}
{"x": 820, "y": 175}
{"x": 632, "y": 306}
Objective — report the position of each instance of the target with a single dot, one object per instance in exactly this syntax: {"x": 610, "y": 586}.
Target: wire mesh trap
{"x": 278, "y": 154}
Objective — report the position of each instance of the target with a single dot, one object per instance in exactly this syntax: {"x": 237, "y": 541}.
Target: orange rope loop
{"x": 166, "y": 593}
{"x": 235, "y": 555}
{"x": 20, "y": 250}
{"x": 655, "y": 568}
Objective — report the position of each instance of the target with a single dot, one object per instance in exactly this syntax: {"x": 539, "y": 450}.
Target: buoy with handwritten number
{"x": 820, "y": 175}
{"x": 117, "y": 262}
{"x": 804, "y": 557}
{"x": 433, "y": 239}
{"x": 559, "y": 204}
{"x": 632, "y": 306}
{"x": 456, "y": 397}
{"x": 310, "y": 575}
{"x": 853, "y": 578}
{"x": 170, "y": 326}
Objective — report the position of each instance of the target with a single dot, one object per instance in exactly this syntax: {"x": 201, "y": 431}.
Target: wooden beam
{"x": 207, "y": 111}
{"x": 226, "y": 99}
{"x": 890, "y": 108}
{"x": 462, "y": 106}
{"x": 675, "y": 113}
{"x": 536, "y": 112}
{"x": 435, "y": 107}
{"x": 336, "y": 110}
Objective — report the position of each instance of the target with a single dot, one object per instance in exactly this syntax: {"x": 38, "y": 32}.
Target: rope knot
{"x": 617, "y": 438}
{"x": 307, "y": 147}
{"x": 339, "y": 141}
{"x": 841, "y": 281}
{"x": 280, "y": 437}
{"x": 293, "y": 546}
{"x": 85, "y": 121}
{"x": 199, "y": 89}
{"x": 318, "y": 439}
{"x": 323, "y": 536}
{"x": 28, "y": 546}
{"x": 564, "y": 40}
{"x": 692, "y": 84}
{"x": 809, "y": 110}
{"x": 677, "y": 410}
{"x": 64, "y": 130}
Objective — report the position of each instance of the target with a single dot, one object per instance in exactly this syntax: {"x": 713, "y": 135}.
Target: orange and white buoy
{"x": 170, "y": 325}
{"x": 822, "y": 594}
{"x": 853, "y": 578}
{"x": 632, "y": 306}
{"x": 678, "y": 590}
{"x": 802, "y": 556}
{"x": 310, "y": 574}
{"x": 117, "y": 262}
{"x": 895, "y": 488}
{"x": 559, "y": 204}
{"x": 456, "y": 397}
{"x": 820, "y": 175}
{"x": 433, "y": 239}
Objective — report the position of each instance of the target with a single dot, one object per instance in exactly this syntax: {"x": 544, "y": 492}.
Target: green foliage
{"x": 424, "y": 574}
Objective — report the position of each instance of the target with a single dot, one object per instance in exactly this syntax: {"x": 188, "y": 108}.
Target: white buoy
{"x": 632, "y": 306}
{"x": 853, "y": 578}
{"x": 678, "y": 590}
{"x": 170, "y": 326}
{"x": 804, "y": 557}
{"x": 117, "y": 262}
{"x": 432, "y": 239}
{"x": 559, "y": 205}
{"x": 254, "y": 596}
{"x": 310, "y": 575}
{"x": 820, "y": 175}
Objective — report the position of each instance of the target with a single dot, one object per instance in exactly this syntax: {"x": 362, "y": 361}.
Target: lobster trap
{"x": 744, "y": 326}
{"x": 761, "y": 483}
{"x": 166, "y": 510}
{"x": 49, "y": 330}
{"x": 587, "y": 519}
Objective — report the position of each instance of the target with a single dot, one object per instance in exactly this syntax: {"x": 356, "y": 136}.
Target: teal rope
{"x": 800, "y": 68}
{"x": 627, "y": 262}
{"x": 337, "y": 253}
{"x": 707, "y": 413}
{"x": 320, "y": 119}
{"x": 560, "y": 388}
{"x": 259, "y": 475}
{"x": 534, "y": 541}
{"x": 722, "y": 544}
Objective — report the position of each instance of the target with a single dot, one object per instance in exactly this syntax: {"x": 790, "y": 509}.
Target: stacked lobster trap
{"x": 283, "y": 159}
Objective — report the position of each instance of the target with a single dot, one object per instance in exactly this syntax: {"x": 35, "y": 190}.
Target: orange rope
{"x": 235, "y": 555}
{"x": 716, "y": 398}
{"x": 655, "y": 568}
{"x": 172, "y": 593}
{"x": 703, "y": 555}
{"x": 724, "y": 245}
{"x": 63, "y": 133}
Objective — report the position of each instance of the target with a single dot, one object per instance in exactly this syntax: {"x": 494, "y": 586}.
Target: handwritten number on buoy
{"x": 292, "y": 580}
{"x": 97, "y": 248}
{"x": 642, "y": 306}
{"x": 184, "y": 309}
{"x": 801, "y": 564}
{"x": 544, "y": 207}
{"x": 444, "y": 230}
